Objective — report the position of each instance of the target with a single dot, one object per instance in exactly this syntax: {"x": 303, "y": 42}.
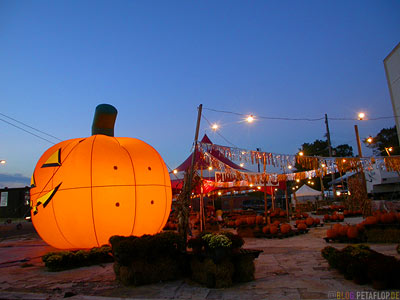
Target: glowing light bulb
{"x": 289, "y": 167}
{"x": 242, "y": 165}
{"x": 259, "y": 188}
{"x": 210, "y": 168}
{"x": 361, "y": 116}
{"x": 323, "y": 165}
{"x": 219, "y": 193}
{"x": 250, "y": 119}
{"x": 301, "y": 153}
{"x": 370, "y": 140}
{"x": 390, "y": 149}
{"x": 175, "y": 171}
{"x": 251, "y": 185}
{"x": 297, "y": 180}
{"x": 215, "y": 127}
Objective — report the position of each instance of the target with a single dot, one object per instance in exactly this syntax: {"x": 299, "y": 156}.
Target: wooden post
{"x": 265, "y": 199}
{"x": 273, "y": 198}
{"x": 287, "y": 203}
{"x": 358, "y": 141}
{"x": 201, "y": 212}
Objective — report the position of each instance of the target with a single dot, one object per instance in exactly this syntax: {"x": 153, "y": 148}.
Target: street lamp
{"x": 2, "y": 161}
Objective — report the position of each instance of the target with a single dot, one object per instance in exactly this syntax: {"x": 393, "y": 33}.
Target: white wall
{"x": 392, "y": 69}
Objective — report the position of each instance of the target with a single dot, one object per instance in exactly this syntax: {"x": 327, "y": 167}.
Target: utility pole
{"x": 358, "y": 141}
{"x": 328, "y": 137}
{"x": 196, "y": 137}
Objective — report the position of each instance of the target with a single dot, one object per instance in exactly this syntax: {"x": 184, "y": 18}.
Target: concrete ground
{"x": 290, "y": 268}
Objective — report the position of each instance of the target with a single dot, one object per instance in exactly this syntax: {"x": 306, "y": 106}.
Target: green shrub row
{"x": 147, "y": 247}
{"x": 63, "y": 260}
{"x": 363, "y": 265}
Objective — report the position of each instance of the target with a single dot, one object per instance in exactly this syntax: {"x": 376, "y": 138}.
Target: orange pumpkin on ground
{"x": 238, "y": 222}
{"x": 309, "y": 221}
{"x": 305, "y": 215}
{"x": 343, "y": 230}
{"x": 86, "y": 190}
{"x": 273, "y": 229}
{"x": 388, "y": 218}
{"x": 282, "y": 214}
{"x": 352, "y": 232}
{"x": 340, "y": 217}
{"x": 371, "y": 220}
{"x": 259, "y": 220}
{"x": 286, "y": 228}
{"x": 276, "y": 223}
{"x": 317, "y": 221}
{"x": 334, "y": 217}
{"x": 251, "y": 220}
{"x": 266, "y": 229}
{"x": 360, "y": 227}
{"x": 302, "y": 226}
{"x": 327, "y": 217}
{"x": 337, "y": 227}
{"x": 330, "y": 233}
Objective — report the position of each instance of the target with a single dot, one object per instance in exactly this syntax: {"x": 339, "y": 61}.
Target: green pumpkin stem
{"x": 104, "y": 120}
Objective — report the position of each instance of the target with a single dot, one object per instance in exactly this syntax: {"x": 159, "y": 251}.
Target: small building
{"x": 14, "y": 202}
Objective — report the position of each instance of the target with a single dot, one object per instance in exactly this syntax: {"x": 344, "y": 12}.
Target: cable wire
{"x": 31, "y": 127}
{"x": 27, "y": 131}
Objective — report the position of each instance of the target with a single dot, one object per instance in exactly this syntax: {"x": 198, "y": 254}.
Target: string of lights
{"x": 299, "y": 119}
{"x": 215, "y": 127}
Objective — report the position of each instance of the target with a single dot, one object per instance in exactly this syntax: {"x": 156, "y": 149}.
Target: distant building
{"x": 14, "y": 202}
{"x": 392, "y": 69}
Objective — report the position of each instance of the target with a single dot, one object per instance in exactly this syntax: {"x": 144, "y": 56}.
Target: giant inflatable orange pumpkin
{"x": 86, "y": 190}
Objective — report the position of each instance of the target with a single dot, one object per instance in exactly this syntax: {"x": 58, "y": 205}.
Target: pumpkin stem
{"x": 104, "y": 120}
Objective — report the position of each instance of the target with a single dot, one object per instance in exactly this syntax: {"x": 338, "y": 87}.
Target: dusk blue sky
{"x": 156, "y": 61}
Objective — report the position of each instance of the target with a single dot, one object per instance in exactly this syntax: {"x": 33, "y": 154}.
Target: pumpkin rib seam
{"x": 134, "y": 185}
{"x": 91, "y": 190}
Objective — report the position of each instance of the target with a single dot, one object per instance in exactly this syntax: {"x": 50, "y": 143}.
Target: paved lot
{"x": 289, "y": 268}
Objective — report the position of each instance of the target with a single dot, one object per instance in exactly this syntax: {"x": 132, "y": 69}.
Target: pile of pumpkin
{"x": 356, "y": 233}
{"x": 337, "y": 207}
{"x": 246, "y": 221}
{"x": 352, "y": 213}
{"x": 282, "y": 230}
{"x": 335, "y": 217}
{"x": 382, "y": 217}
{"x": 277, "y": 213}
{"x": 345, "y": 233}
{"x": 300, "y": 216}
{"x": 309, "y": 222}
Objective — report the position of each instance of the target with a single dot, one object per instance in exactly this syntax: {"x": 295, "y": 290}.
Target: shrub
{"x": 363, "y": 265}
{"x": 64, "y": 260}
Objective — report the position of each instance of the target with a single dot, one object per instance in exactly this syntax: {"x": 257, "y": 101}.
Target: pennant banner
{"x": 320, "y": 166}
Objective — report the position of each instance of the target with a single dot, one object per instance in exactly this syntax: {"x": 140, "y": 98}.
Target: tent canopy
{"x": 202, "y": 164}
{"x": 306, "y": 191}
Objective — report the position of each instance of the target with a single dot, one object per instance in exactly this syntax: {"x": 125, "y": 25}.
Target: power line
{"x": 30, "y": 127}
{"x": 298, "y": 119}
{"x": 27, "y": 131}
